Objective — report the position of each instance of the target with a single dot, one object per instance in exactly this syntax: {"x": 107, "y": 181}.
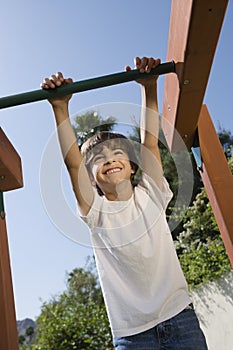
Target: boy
{"x": 144, "y": 289}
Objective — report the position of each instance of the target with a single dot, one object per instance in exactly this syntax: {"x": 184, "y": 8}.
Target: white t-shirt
{"x": 139, "y": 272}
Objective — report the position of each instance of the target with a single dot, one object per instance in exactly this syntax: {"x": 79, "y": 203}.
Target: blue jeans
{"x": 181, "y": 332}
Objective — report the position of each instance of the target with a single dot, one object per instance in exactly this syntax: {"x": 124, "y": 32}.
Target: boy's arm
{"x": 149, "y": 123}
{"x": 79, "y": 177}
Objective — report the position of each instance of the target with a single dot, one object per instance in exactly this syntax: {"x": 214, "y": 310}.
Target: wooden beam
{"x": 217, "y": 179}
{"x": 194, "y": 31}
{"x": 10, "y": 179}
{"x": 10, "y": 165}
{"x": 8, "y": 327}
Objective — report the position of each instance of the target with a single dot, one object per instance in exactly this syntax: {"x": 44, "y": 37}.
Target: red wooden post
{"x": 217, "y": 179}
{"x": 195, "y": 26}
{"x": 10, "y": 178}
{"x": 194, "y": 31}
{"x": 8, "y": 329}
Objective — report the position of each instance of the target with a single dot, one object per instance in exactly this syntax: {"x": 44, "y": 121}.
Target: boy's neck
{"x": 120, "y": 193}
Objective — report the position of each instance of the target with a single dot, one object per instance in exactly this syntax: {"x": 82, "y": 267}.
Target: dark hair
{"x": 95, "y": 144}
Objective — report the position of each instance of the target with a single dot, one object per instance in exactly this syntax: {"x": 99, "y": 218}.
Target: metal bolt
{"x": 185, "y": 136}
{"x": 186, "y": 82}
{"x": 2, "y": 177}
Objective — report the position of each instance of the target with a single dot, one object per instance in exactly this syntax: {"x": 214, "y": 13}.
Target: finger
{"x": 144, "y": 62}
{"x": 44, "y": 86}
{"x": 150, "y": 64}
{"x": 68, "y": 80}
{"x": 157, "y": 62}
{"x": 59, "y": 76}
{"x": 56, "y": 79}
{"x": 47, "y": 84}
{"x": 137, "y": 62}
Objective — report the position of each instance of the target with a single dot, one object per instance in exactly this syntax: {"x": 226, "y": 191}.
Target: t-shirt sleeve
{"x": 92, "y": 217}
{"x": 160, "y": 196}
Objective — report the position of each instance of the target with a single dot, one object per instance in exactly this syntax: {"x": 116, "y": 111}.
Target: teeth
{"x": 111, "y": 171}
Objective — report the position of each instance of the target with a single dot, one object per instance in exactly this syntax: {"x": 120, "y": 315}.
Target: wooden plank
{"x": 194, "y": 31}
{"x": 10, "y": 178}
{"x": 10, "y": 165}
{"x": 8, "y": 327}
{"x": 217, "y": 179}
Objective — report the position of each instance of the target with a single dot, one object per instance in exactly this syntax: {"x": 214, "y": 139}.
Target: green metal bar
{"x": 84, "y": 85}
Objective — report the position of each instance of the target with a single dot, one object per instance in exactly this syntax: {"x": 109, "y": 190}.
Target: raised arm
{"x": 149, "y": 123}
{"x": 69, "y": 147}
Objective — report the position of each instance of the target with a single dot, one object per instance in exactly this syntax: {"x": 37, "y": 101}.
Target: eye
{"x": 119, "y": 152}
{"x": 97, "y": 158}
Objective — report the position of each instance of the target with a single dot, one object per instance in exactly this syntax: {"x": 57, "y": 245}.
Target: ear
{"x": 132, "y": 171}
{"x": 93, "y": 182}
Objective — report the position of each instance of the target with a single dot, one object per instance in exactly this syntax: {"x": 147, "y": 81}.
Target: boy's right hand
{"x": 53, "y": 82}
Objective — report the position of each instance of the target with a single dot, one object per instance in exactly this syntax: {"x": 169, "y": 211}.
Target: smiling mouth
{"x": 112, "y": 171}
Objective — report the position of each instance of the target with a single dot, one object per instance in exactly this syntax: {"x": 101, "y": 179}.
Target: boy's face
{"x": 110, "y": 167}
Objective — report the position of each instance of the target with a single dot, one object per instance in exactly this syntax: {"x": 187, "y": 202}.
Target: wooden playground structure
{"x": 195, "y": 26}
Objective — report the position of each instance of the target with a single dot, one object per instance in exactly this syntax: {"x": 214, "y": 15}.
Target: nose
{"x": 109, "y": 157}
{"x": 109, "y": 160}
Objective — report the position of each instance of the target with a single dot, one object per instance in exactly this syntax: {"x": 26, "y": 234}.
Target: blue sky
{"x": 82, "y": 39}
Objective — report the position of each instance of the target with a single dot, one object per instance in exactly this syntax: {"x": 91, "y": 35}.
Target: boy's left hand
{"x": 145, "y": 64}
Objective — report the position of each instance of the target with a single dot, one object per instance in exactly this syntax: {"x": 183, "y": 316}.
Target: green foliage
{"x": 226, "y": 139}
{"x": 21, "y": 339}
{"x": 199, "y": 246}
{"x": 26, "y": 346}
{"x": 65, "y": 324}
{"x": 230, "y": 163}
{"x": 25, "y": 341}
{"x": 88, "y": 124}
{"x": 29, "y": 331}
{"x": 77, "y": 318}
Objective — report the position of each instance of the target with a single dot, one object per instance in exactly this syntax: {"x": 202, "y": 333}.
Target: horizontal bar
{"x": 83, "y": 85}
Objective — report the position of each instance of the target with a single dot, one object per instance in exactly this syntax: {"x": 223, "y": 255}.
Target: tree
{"x": 199, "y": 246}
{"x": 230, "y": 163}
{"x": 226, "y": 139}
{"x": 21, "y": 340}
{"x": 29, "y": 334}
{"x": 88, "y": 124}
{"x": 197, "y": 238}
{"x": 77, "y": 318}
